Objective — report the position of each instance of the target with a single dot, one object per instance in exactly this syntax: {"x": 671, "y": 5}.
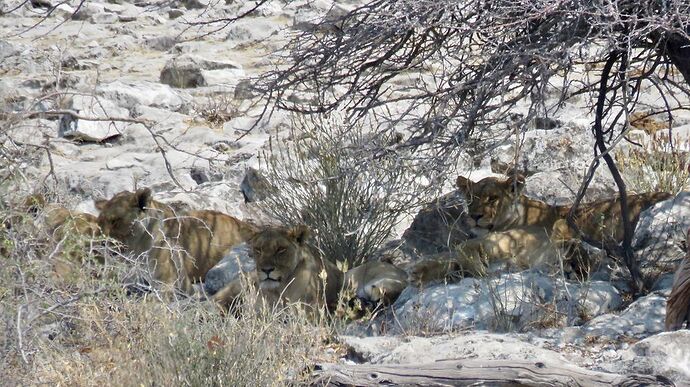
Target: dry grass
{"x": 82, "y": 328}
{"x": 659, "y": 167}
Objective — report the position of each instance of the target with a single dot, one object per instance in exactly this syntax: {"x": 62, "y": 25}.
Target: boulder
{"x": 254, "y": 186}
{"x": 560, "y": 187}
{"x": 660, "y": 233}
{"x": 509, "y": 302}
{"x": 439, "y": 226}
{"x": 92, "y": 131}
{"x": 236, "y": 260}
{"x": 642, "y": 318}
{"x": 250, "y": 31}
{"x": 666, "y": 354}
{"x": 129, "y": 94}
{"x": 189, "y": 70}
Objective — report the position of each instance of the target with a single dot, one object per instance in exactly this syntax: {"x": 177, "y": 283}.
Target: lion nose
{"x": 267, "y": 270}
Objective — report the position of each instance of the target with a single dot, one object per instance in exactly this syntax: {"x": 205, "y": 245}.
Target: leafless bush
{"x": 218, "y": 109}
{"x": 326, "y": 177}
{"x": 457, "y": 76}
{"x": 83, "y": 327}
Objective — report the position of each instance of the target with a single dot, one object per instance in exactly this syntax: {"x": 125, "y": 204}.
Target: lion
{"x": 181, "y": 247}
{"x": 72, "y": 234}
{"x": 287, "y": 270}
{"x": 523, "y": 231}
{"x": 376, "y": 282}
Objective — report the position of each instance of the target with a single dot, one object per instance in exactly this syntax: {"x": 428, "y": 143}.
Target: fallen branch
{"x": 477, "y": 372}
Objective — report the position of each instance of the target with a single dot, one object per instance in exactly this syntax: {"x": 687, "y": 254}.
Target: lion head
{"x": 287, "y": 268}
{"x": 493, "y": 203}
{"x": 119, "y": 215}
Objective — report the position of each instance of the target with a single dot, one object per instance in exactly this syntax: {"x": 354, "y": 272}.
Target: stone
{"x": 161, "y": 43}
{"x": 642, "y": 318}
{"x": 236, "y": 261}
{"x": 9, "y": 49}
{"x": 439, "y": 226}
{"x": 92, "y": 131}
{"x": 567, "y": 148}
{"x": 250, "y": 31}
{"x": 227, "y": 77}
{"x": 597, "y": 297}
{"x": 129, "y": 94}
{"x": 88, "y": 10}
{"x": 186, "y": 71}
{"x": 175, "y": 13}
{"x": 661, "y": 230}
{"x": 666, "y": 353}
{"x": 105, "y": 18}
{"x": 254, "y": 187}
{"x": 516, "y": 301}
{"x": 560, "y": 187}
{"x": 196, "y": 4}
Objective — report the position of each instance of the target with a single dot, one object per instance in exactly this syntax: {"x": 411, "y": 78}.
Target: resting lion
{"x": 181, "y": 247}
{"x": 523, "y": 231}
{"x": 72, "y": 233}
{"x": 287, "y": 269}
{"x": 376, "y": 282}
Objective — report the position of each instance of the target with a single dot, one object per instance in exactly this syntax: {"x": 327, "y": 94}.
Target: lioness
{"x": 375, "y": 282}
{"x": 72, "y": 233}
{"x": 518, "y": 226}
{"x": 181, "y": 247}
{"x": 287, "y": 270}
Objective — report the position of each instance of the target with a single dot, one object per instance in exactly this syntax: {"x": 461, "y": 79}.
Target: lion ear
{"x": 463, "y": 183}
{"x": 143, "y": 196}
{"x": 299, "y": 234}
{"x": 100, "y": 203}
{"x": 517, "y": 182}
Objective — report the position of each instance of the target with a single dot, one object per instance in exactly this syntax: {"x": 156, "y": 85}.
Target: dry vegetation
{"x": 84, "y": 328}
{"x": 661, "y": 166}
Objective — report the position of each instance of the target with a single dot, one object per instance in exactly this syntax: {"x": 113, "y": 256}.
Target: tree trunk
{"x": 477, "y": 372}
{"x": 677, "y": 48}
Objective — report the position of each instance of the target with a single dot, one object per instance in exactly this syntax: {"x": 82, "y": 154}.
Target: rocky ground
{"x": 180, "y": 117}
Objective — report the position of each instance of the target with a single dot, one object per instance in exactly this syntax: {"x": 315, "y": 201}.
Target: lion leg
{"x": 472, "y": 257}
{"x": 578, "y": 258}
{"x": 229, "y": 297}
{"x": 168, "y": 269}
{"x": 430, "y": 270}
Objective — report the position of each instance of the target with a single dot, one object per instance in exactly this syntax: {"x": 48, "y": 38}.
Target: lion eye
{"x": 281, "y": 250}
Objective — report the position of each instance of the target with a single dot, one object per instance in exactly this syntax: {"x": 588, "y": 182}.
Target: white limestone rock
{"x": 92, "y": 131}
{"x": 129, "y": 94}
{"x": 188, "y": 70}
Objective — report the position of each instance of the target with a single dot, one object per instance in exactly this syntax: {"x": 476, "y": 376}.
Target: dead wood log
{"x": 476, "y": 373}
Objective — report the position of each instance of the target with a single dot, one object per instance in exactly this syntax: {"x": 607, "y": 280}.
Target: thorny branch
{"x": 455, "y": 77}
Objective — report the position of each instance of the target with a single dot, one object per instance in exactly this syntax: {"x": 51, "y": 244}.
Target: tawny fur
{"x": 287, "y": 270}
{"x": 525, "y": 232}
{"x": 181, "y": 247}
{"x": 376, "y": 282}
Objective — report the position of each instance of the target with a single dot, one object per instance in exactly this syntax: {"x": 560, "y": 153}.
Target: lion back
{"x": 206, "y": 236}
